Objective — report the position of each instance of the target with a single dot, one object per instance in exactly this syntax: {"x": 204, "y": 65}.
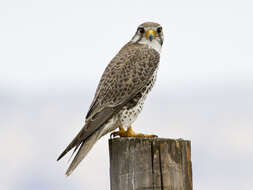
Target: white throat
{"x": 154, "y": 44}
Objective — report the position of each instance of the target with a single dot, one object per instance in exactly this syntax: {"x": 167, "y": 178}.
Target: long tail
{"x": 83, "y": 151}
{"x": 88, "y": 135}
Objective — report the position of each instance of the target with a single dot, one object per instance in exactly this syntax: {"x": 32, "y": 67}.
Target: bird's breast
{"x": 132, "y": 109}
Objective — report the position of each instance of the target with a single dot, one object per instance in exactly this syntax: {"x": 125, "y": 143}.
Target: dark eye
{"x": 159, "y": 30}
{"x": 141, "y": 30}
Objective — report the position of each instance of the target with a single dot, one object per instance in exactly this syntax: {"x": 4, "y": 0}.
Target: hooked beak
{"x": 150, "y": 35}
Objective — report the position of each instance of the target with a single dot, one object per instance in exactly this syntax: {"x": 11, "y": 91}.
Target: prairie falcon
{"x": 121, "y": 92}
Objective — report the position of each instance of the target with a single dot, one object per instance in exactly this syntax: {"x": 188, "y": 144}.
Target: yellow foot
{"x": 130, "y": 133}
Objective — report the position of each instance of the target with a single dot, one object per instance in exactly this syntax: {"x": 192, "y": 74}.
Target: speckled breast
{"x": 130, "y": 112}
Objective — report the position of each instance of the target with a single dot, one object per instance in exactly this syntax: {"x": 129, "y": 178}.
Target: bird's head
{"x": 149, "y": 33}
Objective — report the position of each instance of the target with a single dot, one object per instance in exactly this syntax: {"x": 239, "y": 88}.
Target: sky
{"x": 52, "y": 54}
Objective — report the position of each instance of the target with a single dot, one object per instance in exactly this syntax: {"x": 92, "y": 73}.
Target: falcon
{"x": 121, "y": 92}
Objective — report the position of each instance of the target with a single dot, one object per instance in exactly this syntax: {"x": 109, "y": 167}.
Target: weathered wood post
{"x": 142, "y": 163}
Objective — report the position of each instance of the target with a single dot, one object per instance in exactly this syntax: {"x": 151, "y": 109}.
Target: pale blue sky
{"x": 52, "y": 54}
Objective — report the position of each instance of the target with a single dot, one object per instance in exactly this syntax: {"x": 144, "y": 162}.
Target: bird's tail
{"x": 83, "y": 150}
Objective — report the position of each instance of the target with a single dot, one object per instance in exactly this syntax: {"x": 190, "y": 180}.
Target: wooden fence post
{"x": 143, "y": 163}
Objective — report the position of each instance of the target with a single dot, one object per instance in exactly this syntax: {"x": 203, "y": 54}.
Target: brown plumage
{"x": 122, "y": 86}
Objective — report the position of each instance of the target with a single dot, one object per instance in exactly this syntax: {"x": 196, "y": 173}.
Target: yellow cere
{"x": 148, "y": 32}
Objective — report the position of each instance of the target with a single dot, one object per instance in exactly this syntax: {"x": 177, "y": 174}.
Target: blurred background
{"x": 52, "y": 54}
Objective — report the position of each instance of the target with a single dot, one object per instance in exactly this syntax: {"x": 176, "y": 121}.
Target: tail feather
{"x": 74, "y": 151}
{"x": 83, "y": 150}
{"x": 74, "y": 143}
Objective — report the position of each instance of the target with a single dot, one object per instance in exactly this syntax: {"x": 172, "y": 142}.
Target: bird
{"x": 121, "y": 92}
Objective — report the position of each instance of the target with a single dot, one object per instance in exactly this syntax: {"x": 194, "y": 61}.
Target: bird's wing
{"x": 125, "y": 76}
{"x": 128, "y": 72}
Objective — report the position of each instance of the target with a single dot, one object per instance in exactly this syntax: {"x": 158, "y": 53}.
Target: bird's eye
{"x": 141, "y": 30}
{"x": 159, "y": 30}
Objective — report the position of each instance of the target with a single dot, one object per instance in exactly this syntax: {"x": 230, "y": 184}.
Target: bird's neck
{"x": 154, "y": 44}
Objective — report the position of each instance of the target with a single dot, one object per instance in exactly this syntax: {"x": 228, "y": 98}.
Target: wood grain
{"x": 144, "y": 163}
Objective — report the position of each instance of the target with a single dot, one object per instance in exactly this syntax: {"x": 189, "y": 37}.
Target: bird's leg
{"x": 118, "y": 133}
{"x": 130, "y": 133}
